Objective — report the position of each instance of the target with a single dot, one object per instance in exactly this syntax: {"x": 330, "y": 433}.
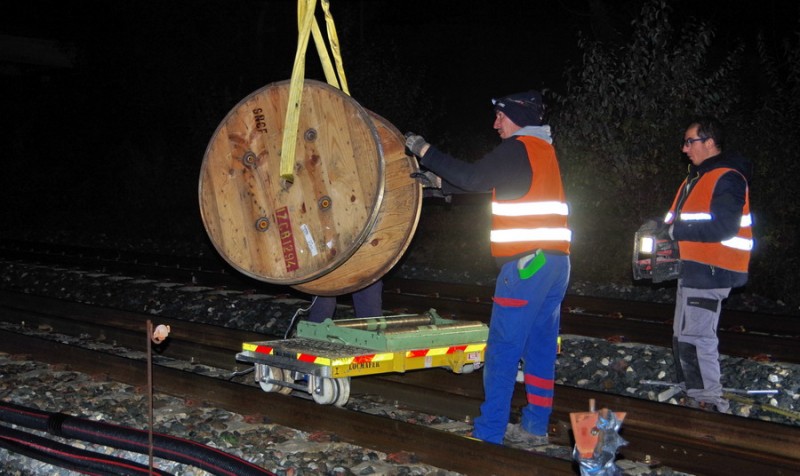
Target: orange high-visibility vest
{"x": 539, "y": 218}
{"x": 733, "y": 253}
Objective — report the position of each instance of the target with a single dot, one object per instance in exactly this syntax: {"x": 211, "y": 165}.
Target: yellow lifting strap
{"x": 307, "y": 23}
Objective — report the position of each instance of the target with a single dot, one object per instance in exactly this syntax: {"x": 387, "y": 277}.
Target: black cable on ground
{"x": 164, "y": 446}
{"x": 69, "y": 457}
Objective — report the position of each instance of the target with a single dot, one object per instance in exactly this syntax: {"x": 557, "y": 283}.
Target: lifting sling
{"x": 307, "y": 24}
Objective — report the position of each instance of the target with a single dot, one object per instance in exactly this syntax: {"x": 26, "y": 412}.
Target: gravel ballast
{"x": 596, "y": 364}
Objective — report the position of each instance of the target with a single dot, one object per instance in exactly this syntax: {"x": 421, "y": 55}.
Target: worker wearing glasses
{"x": 710, "y": 219}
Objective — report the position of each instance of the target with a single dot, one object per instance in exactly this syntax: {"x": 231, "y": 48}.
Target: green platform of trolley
{"x": 323, "y": 356}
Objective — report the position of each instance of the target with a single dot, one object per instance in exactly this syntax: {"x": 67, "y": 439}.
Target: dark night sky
{"x": 465, "y": 52}
{"x": 148, "y": 81}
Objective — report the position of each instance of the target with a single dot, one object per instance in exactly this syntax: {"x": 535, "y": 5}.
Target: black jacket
{"x": 726, "y": 210}
{"x": 505, "y": 169}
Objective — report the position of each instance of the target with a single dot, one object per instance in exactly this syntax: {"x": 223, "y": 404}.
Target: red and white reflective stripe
{"x": 360, "y": 359}
{"x": 444, "y": 350}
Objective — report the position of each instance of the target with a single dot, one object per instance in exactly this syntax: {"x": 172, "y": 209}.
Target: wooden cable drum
{"x": 393, "y": 230}
{"x": 289, "y": 233}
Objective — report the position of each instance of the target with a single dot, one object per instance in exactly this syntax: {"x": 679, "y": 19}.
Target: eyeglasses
{"x": 689, "y": 142}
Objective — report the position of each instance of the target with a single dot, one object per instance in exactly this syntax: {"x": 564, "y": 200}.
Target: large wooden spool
{"x": 331, "y": 230}
{"x": 394, "y": 228}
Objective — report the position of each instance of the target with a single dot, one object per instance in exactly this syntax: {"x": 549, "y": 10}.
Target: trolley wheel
{"x": 344, "y": 391}
{"x": 286, "y": 377}
{"x": 273, "y": 373}
{"x": 325, "y": 390}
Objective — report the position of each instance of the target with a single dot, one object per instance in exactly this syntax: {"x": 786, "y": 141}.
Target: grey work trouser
{"x": 695, "y": 343}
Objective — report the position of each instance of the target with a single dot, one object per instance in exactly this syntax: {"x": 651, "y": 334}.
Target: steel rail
{"x": 683, "y": 438}
{"x": 437, "y": 448}
{"x": 744, "y": 334}
{"x": 741, "y": 334}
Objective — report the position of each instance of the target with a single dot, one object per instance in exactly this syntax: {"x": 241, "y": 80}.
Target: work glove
{"x": 428, "y": 179}
{"x": 664, "y": 231}
{"x": 415, "y": 143}
{"x": 431, "y": 185}
{"x": 666, "y": 246}
{"x": 657, "y": 228}
{"x": 664, "y": 263}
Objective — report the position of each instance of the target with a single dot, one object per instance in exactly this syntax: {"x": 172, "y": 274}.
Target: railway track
{"x": 742, "y": 334}
{"x": 685, "y": 439}
{"x": 434, "y": 447}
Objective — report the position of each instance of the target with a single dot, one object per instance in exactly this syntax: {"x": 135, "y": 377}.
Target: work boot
{"x": 517, "y": 437}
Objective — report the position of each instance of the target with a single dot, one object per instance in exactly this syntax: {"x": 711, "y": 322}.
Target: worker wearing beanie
{"x": 530, "y": 241}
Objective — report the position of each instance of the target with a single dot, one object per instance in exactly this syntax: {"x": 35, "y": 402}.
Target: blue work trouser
{"x": 524, "y": 326}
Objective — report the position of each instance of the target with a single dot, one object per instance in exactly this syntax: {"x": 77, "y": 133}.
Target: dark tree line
{"x": 623, "y": 115}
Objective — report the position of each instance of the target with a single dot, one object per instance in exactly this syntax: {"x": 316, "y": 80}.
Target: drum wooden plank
{"x": 393, "y": 230}
{"x": 290, "y": 233}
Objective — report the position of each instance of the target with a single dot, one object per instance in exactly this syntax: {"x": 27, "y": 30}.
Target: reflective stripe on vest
{"x": 530, "y": 208}
{"x": 539, "y": 218}
{"x": 732, "y": 253}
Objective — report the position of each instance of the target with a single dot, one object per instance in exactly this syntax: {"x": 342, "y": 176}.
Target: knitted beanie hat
{"x": 524, "y": 109}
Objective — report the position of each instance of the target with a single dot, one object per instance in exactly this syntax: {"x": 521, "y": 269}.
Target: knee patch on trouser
{"x": 688, "y": 365}
{"x": 676, "y": 356}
